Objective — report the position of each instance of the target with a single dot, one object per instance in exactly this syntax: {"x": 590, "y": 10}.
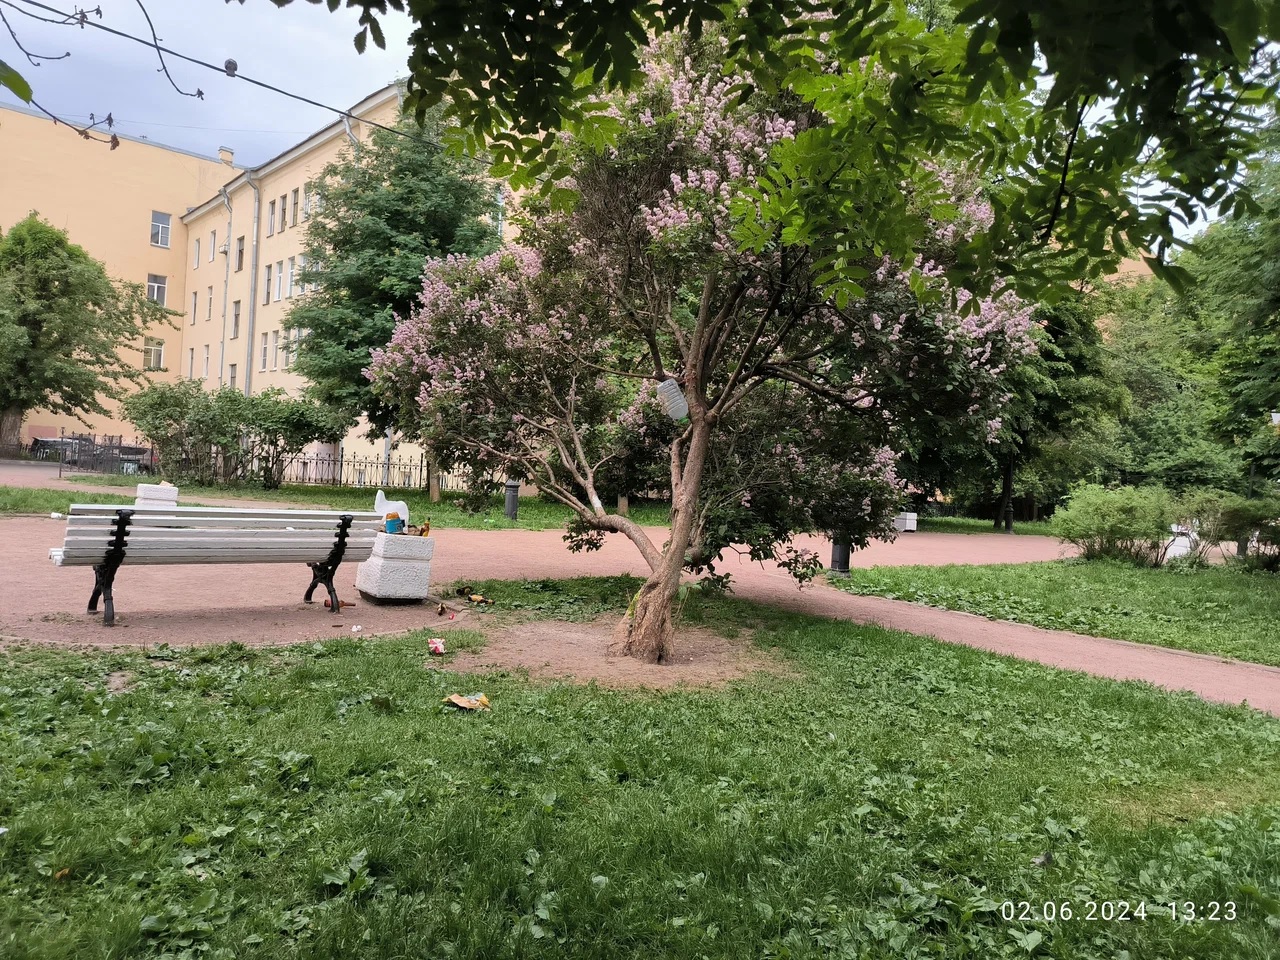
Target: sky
{"x": 302, "y": 48}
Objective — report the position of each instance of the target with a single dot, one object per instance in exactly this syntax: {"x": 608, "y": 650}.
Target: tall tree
{"x": 378, "y": 213}
{"x": 63, "y": 326}
{"x": 542, "y": 360}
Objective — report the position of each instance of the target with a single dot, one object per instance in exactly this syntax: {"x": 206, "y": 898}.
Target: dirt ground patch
{"x": 580, "y": 652}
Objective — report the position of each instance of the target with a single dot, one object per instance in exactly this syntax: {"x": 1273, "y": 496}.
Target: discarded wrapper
{"x": 477, "y": 701}
{"x": 436, "y": 646}
{"x": 357, "y": 629}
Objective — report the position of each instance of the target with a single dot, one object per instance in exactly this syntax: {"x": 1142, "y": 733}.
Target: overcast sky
{"x": 301, "y": 48}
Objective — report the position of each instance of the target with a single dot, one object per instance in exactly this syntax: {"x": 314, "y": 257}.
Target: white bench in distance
{"x": 106, "y": 537}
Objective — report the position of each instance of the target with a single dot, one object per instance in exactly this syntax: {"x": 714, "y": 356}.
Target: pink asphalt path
{"x": 259, "y": 604}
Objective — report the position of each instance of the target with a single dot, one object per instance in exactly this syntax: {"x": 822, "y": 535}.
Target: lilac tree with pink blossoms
{"x": 542, "y": 360}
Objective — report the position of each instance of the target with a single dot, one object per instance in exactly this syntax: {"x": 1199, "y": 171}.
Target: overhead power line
{"x": 229, "y": 69}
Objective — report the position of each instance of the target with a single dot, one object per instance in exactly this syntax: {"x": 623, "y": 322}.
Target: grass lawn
{"x": 1038, "y": 528}
{"x": 534, "y": 514}
{"x": 1219, "y": 611}
{"x": 883, "y": 800}
{"x": 34, "y": 500}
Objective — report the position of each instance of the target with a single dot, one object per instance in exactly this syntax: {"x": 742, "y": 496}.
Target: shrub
{"x": 1128, "y": 523}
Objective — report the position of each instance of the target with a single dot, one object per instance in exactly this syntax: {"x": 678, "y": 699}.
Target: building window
{"x": 286, "y": 354}
{"x": 266, "y": 295}
{"x": 191, "y": 363}
{"x": 208, "y": 313}
{"x": 235, "y": 320}
{"x": 279, "y": 279}
{"x": 152, "y": 353}
{"x": 275, "y": 349}
{"x": 264, "y": 352}
{"x": 206, "y": 362}
{"x": 156, "y": 288}
{"x": 284, "y": 209}
{"x": 195, "y": 261}
{"x": 271, "y": 218}
{"x": 239, "y": 254}
{"x": 213, "y": 244}
{"x": 160, "y": 223}
{"x": 293, "y": 209}
{"x": 231, "y": 379}
{"x": 195, "y": 306}
{"x": 292, "y": 267}
{"x": 306, "y": 204}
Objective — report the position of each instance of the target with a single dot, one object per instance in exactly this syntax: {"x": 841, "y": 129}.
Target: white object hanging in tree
{"x": 673, "y": 402}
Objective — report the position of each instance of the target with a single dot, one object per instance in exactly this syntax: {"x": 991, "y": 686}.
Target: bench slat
{"x": 199, "y": 558}
{"x": 98, "y": 509}
{"x": 170, "y": 534}
{"x": 107, "y": 522}
{"x": 280, "y": 552}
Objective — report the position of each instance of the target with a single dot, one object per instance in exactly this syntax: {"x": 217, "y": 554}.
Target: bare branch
{"x": 33, "y": 58}
{"x": 164, "y": 67}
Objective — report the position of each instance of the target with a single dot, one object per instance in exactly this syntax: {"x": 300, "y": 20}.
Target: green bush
{"x": 1133, "y": 524}
{"x": 1128, "y": 523}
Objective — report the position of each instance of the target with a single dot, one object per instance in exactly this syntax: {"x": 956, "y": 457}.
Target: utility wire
{"x": 229, "y": 69}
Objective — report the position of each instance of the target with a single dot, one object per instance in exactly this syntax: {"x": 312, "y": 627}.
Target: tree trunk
{"x": 647, "y": 632}
{"x": 433, "y": 480}
{"x": 11, "y": 429}
{"x": 624, "y": 505}
{"x": 1006, "y": 493}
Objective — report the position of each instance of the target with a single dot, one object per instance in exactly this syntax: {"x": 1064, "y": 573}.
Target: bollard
{"x": 840, "y": 558}
{"x": 513, "y": 499}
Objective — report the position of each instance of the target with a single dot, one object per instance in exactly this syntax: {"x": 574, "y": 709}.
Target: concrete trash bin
{"x": 399, "y": 569}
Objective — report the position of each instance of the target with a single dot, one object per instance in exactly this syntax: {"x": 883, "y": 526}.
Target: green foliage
{"x": 1216, "y": 610}
{"x": 14, "y": 81}
{"x": 63, "y": 325}
{"x": 224, "y": 436}
{"x": 36, "y": 501}
{"x": 880, "y": 802}
{"x": 1129, "y": 523}
{"x": 379, "y": 213}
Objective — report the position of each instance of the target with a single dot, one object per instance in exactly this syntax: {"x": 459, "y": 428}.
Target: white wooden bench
{"x": 105, "y": 537}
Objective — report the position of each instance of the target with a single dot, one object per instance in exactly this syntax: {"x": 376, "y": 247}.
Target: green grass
{"x": 1039, "y": 528}
{"x": 33, "y": 500}
{"x": 1221, "y": 611}
{"x": 880, "y": 801}
{"x": 534, "y": 513}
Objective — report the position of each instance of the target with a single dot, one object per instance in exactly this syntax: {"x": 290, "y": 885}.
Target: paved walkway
{"x": 259, "y": 604}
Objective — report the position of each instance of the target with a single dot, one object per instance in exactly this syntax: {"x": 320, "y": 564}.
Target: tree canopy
{"x": 1102, "y": 125}
{"x": 541, "y": 360}
{"x": 378, "y": 214}
{"x": 63, "y": 326}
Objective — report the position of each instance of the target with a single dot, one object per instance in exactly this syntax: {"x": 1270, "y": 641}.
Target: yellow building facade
{"x": 124, "y": 206}
{"x": 219, "y": 244}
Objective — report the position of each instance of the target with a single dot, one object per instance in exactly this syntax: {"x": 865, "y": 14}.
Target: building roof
{"x": 371, "y": 102}
{"x": 145, "y": 141}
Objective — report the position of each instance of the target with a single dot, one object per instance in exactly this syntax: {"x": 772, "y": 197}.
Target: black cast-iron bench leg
{"x": 104, "y": 573}
{"x": 322, "y": 573}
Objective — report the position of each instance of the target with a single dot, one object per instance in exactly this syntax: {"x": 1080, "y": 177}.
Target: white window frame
{"x": 195, "y": 306}
{"x": 235, "y": 320}
{"x": 271, "y": 218}
{"x": 267, "y": 298}
{"x": 284, "y": 211}
{"x": 239, "y": 254}
{"x": 206, "y": 362}
{"x": 213, "y": 244}
{"x": 161, "y": 230}
{"x": 152, "y": 353}
{"x": 157, "y": 288}
{"x": 191, "y": 363}
{"x": 292, "y": 268}
{"x": 275, "y": 349}
{"x": 231, "y": 376}
{"x": 208, "y": 313}
{"x": 279, "y": 280}
{"x": 195, "y": 260}
{"x": 264, "y": 353}
{"x": 293, "y": 208}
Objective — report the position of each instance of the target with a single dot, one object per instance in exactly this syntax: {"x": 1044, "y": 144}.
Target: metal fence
{"x": 399, "y": 472}
{"x": 94, "y": 453}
